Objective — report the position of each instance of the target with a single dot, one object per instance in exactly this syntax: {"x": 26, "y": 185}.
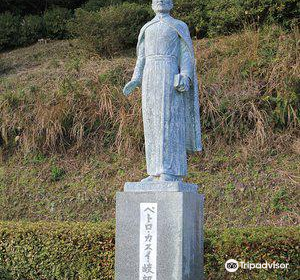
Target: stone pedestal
{"x": 159, "y": 234}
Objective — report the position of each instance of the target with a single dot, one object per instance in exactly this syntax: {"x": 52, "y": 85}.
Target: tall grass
{"x": 249, "y": 91}
{"x": 249, "y": 84}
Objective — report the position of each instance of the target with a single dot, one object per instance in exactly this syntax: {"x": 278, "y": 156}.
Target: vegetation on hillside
{"x": 249, "y": 92}
{"x": 118, "y": 18}
{"x": 70, "y": 139}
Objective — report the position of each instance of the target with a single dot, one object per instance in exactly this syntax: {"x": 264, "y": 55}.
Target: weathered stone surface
{"x": 179, "y": 235}
{"x": 166, "y": 70}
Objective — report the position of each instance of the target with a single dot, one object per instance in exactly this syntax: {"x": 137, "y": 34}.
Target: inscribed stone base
{"x": 159, "y": 235}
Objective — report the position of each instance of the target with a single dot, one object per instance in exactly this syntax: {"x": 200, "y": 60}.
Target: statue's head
{"x": 162, "y": 6}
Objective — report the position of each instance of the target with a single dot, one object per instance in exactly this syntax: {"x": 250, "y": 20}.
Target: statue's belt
{"x": 161, "y": 57}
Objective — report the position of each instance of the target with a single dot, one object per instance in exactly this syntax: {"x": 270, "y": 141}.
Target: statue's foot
{"x": 170, "y": 178}
{"x": 148, "y": 179}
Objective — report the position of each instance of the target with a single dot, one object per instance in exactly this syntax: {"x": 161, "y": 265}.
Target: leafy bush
{"x": 9, "y": 30}
{"x": 96, "y": 5}
{"x": 86, "y": 251}
{"x": 24, "y": 7}
{"x": 194, "y": 14}
{"x": 31, "y": 29}
{"x": 111, "y": 29}
{"x": 227, "y": 16}
{"x": 16, "y": 31}
{"x": 122, "y": 20}
{"x": 213, "y": 17}
{"x": 55, "y": 21}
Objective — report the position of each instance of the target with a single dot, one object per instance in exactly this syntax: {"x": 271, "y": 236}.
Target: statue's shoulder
{"x": 146, "y": 25}
{"x": 180, "y": 24}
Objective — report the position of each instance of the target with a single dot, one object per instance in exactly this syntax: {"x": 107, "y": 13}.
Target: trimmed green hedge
{"x": 60, "y": 251}
{"x": 85, "y": 251}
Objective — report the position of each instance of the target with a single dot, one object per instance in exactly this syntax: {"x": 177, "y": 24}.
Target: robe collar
{"x": 161, "y": 16}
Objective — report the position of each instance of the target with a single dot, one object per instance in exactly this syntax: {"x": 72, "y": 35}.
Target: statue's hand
{"x": 130, "y": 87}
{"x": 185, "y": 84}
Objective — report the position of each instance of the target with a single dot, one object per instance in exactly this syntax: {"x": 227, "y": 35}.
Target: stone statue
{"x": 166, "y": 71}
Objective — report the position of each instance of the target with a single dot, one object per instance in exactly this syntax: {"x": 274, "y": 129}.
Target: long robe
{"x": 168, "y": 115}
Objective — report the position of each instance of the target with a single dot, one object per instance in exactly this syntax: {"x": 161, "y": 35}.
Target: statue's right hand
{"x": 130, "y": 87}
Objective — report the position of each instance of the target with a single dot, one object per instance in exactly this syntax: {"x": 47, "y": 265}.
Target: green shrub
{"x": 24, "y": 7}
{"x": 16, "y": 31}
{"x": 55, "y": 21}
{"x": 227, "y": 16}
{"x": 111, "y": 29}
{"x": 9, "y": 30}
{"x": 31, "y": 29}
{"x": 86, "y": 251}
{"x": 213, "y": 17}
{"x": 194, "y": 14}
{"x": 96, "y": 5}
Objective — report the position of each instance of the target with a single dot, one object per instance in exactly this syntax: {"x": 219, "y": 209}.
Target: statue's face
{"x": 161, "y": 6}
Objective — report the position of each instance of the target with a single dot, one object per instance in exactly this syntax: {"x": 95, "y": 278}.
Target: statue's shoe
{"x": 170, "y": 178}
{"x": 148, "y": 179}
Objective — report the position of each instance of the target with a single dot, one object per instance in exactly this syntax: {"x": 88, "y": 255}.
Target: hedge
{"x": 85, "y": 251}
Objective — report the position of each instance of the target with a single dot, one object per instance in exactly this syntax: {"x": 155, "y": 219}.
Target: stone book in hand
{"x": 177, "y": 80}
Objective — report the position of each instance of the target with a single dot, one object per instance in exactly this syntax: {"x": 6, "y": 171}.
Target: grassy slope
{"x": 248, "y": 182}
{"x": 238, "y": 192}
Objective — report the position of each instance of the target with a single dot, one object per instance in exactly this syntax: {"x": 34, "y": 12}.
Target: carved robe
{"x": 171, "y": 118}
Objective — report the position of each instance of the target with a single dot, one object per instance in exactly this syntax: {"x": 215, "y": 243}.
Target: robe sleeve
{"x": 140, "y": 63}
{"x": 185, "y": 61}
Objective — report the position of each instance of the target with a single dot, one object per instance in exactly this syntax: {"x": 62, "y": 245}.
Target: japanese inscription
{"x": 148, "y": 241}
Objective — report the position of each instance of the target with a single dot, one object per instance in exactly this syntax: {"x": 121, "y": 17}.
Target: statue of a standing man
{"x": 166, "y": 71}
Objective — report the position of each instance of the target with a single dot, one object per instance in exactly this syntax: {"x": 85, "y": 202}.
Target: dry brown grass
{"x": 56, "y": 98}
{"x": 255, "y": 76}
